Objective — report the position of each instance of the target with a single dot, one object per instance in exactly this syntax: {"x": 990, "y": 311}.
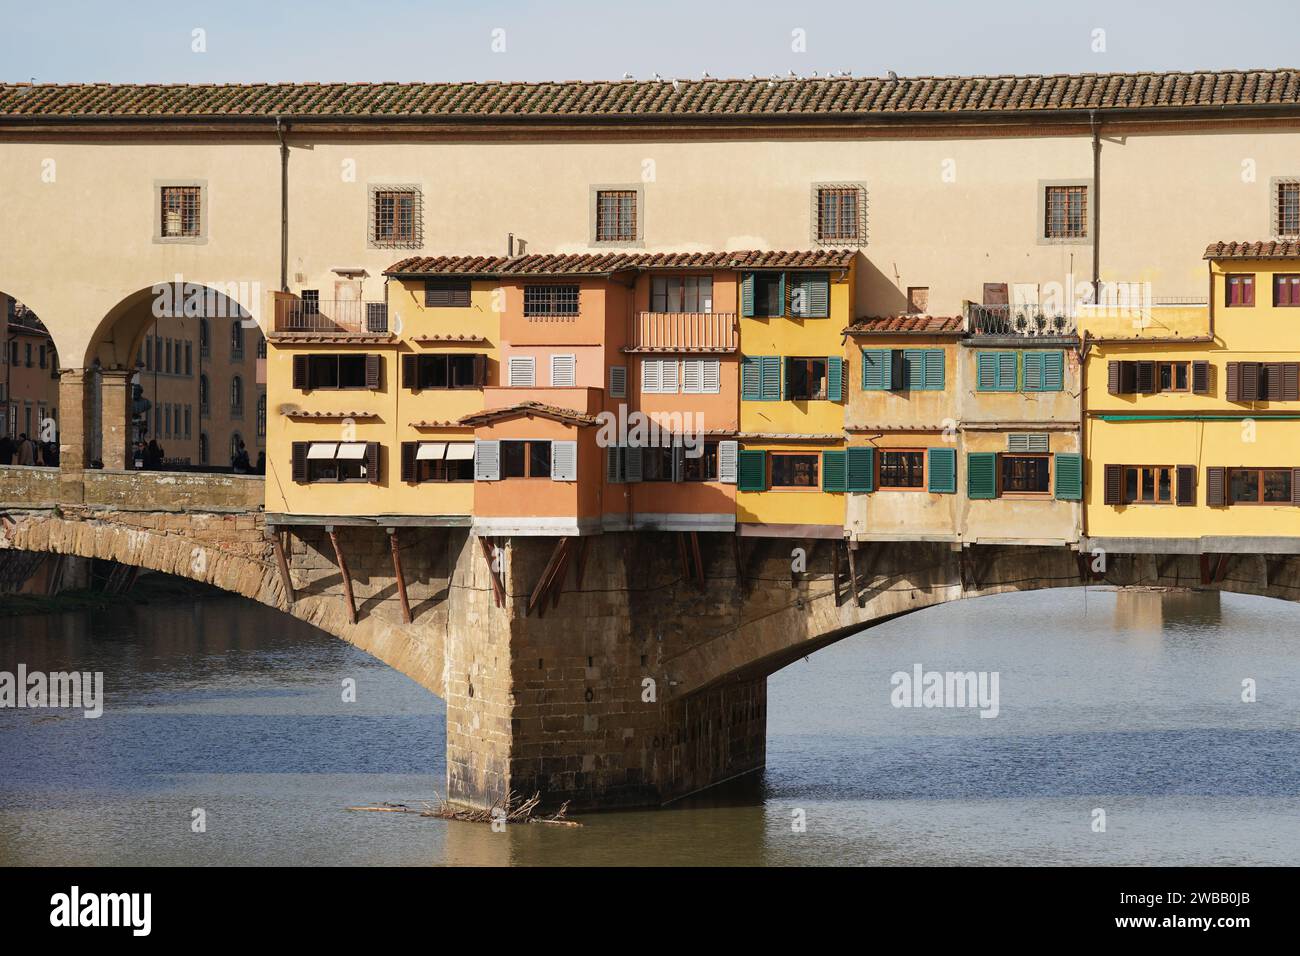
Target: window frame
{"x": 200, "y": 235}
{"x": 1046, "y": 188}
{"x": 809, "y": 360}
{"x": 636, "y": 238}
{"x": 1172, "y": 471}
{"x": 1047, "y": 475}
{"x": 555, "y": 296}
{"x": 1260, "y": 471}
{"x": 1277, "y": 212}
{"x": 682, "y": 280}
{"x": 1173, "y": 367}
{"x": 335, "y": 358}
{"x": 395, "y": 237}
{"x": 528, "y": 444}
{"x": 921, "y": 485}
{"x": 773, "y": 456}
{"x": 1238, "y": 280}
{"x": 839, "y": 237}
{"x": 1286, "y": 279}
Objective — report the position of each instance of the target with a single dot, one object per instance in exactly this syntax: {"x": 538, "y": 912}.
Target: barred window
{"x": 550, "y": 300}
{"x": 616, "y": 215}
{"x": 837, "y": 214}
{"x": 1066, "y": 214}
{"x": 396, "y": 216}
{"x": 1288, "y": 209}
{"x": 181, "y": 207}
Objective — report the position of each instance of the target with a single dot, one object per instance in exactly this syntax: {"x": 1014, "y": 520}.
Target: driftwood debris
{"x": 509, "y": 810}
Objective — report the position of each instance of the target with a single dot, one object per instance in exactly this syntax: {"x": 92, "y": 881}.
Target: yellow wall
{"x": 791, "y": 506}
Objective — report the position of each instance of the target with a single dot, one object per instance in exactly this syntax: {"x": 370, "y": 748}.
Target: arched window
{"x": 205, "y": 338}
{"x": 261, "y": 416}
{"x": 203, "y": 395}
{"x": 236, "y": 396}
{"x": 261, "y": 346}
{"x": 235, "y": 441}
{"x": 236, "y": 339}
{"x": 203, "y": 448}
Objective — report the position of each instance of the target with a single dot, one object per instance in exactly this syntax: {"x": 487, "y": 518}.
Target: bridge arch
{"x": 229, "y": 552}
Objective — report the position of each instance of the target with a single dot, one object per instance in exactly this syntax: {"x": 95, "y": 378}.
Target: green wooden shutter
{"x": 817, "y": 295}
{"x": 1053, "y": 371}
{"x": 770, "y": 378}
{"x": 1032, "y": 368}
{"x": 834, "y": 378}
{"x": 834, "y": 471}
{"x": 943, "y": 470}
{"x": 1007, "y": 371}
{"x": 981, "y": 474}
{"x": 751, "y": 471}
{"x": 861, "y": 470}
{"x": 1069, "y": 476}
{"x": 751, "y": 388}
{"x": 934, "y": 369}
{"x": 875, "y": 369}
{"x": 747, "y": 295}
{"x": 914, "y": 369}
{"x": 986, "y": 371}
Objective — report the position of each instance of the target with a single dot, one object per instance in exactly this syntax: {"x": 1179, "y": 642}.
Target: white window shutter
{"x": 564, "y": 461}
{"x": 614, "y": 465}
{"x": 668, "y": 376}
{"x": 487, "y": 461}
{"x": 711, "y": 380}
{"x": 564, "y": 371}
{"x": 523, "y": 370}
{"x": 618, "y": 381}
{"x": 693, "y": 376}
{"x": 632, "y": 463}
{"x": 727, "y": 459}
{"x": 650, "y": 379}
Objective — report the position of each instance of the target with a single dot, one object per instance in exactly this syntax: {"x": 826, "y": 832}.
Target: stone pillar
{"x": 74, "y": 414}
{"x": 115, "y": 394}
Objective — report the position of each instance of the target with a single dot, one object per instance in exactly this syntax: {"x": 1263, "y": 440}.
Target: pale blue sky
{"x": 260, "y": 40}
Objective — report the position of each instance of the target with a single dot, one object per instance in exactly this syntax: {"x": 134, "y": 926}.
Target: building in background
{"x": 29, "y": 375}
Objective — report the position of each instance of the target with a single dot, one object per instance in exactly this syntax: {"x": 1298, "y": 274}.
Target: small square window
{"x": 616, "y": 215}
{"x": 181, "y": 215}
{"x": 1065, "y": 212}
{"x": 839, "y": 214}
{"x": 1240, "y": 290}
{"x": 1286, "y": 207}
{"x": 396, "y": 217}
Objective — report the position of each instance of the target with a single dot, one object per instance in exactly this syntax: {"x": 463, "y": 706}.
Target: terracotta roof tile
{"x": 907, "y": 325}
{"x": 596, "y": 264}
{"x": 665, "y": 99}
{"x": 1272, "y": 249}
{"x": 566, "y": 415}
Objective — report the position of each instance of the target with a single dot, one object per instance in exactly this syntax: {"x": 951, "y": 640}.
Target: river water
{"x": 1125, "y": 703}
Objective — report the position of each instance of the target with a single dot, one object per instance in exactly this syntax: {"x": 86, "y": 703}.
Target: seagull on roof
{"x": 627, "y": 76}
{"x": 658, "y": 77}
{"x": 676, "y": 85}
{"x": 893, "y": 75}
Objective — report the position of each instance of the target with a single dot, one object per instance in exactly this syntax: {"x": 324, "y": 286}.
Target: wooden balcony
{"x": 683, "y": 332}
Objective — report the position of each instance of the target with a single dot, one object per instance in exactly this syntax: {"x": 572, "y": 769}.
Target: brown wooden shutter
{"x": 1201, "y": 378}
{"x": 1112, "y": 377}
{"x": 480, "y": 369}
{"x": 1249, "y": 390}
{"x": 1291, "y": 381}
{"x": 1146, "y": 377}
{"x": 408, "y": 460}
{"x": 300, "y": 372}
{"x": 1186, "y": 485}
{"x": 372, "y": 460}
{"x": 1114, "y": 494}
{"x": 373, "y": 366}
{"x": 299, "y": 462}
{"x": 1128, "y": 377}
{"x": 1214, "y": 486}
{"x": 1234, "y": 382}
{"x": 1295, "y": 486}
{"x": 1272, "y": 385}
{"x": 410, "y": 372}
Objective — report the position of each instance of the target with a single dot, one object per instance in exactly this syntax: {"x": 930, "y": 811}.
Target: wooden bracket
{"x": 835, "y": 574}
{"x": 853, "y": 574}
{"x": 347, "y": 577}
{"x": 498, "y": 582}
{"x": 281, "y": 562}
{"x": 549, "y": 574}
{"x": 1213, "y": 571}
{"x": 397, "y": 572}
{"x": 698, "y": 560}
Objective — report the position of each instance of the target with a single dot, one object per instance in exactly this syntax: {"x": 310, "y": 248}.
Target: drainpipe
{"x": 1096, "y": 206}
{"x": 280, "y": 129}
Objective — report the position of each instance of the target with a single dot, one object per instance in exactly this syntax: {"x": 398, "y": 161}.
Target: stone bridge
{"x": 617, "y": 670}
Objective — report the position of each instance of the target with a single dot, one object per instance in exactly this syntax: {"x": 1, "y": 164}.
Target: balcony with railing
{"x": 1018, "y": 321}
{"x": 683, "y": 332}
{"x": 343, "y": 317}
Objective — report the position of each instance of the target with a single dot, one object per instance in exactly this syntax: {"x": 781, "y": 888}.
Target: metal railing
{"x": 687, "y": 331}
{"x": 1021, "y": 320}
{"x": 342, "y": 317}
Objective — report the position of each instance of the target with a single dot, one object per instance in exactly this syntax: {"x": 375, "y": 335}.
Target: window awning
{"x": 322, "y": 449}
{"x": 431, "y": 451}
{"x": 352, "y": 450}
{"x": 460, "y": 451}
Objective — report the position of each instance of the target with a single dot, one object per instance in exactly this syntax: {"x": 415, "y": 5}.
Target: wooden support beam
{"x": 582, "y": 563}
{"x": 738, "y": 555}
{"x": 281, "y": 562}
{"x": 393, "y": 546}
{"x": 681, "y": 553}
{"x": 853, "y": 575}
{"x": 835, "y": 574}
{"x": 547, "y": 574}
{"x": 557, "y": 585}
{"x": 699, "y": 560}
{"x": 1205, "y": 569}
{"x": 1221, "y": 570}
{"x": 347, "y": 576}
{"x": 498, "y": 586}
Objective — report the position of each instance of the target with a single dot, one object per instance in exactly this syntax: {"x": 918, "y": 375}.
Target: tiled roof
{"x": 1253, "y": 250}
{"x": 605, "y": 263}
{"x": 907, "y": 325}
{"x": 565, "y": 415}
{"x": 663, "y": 99}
